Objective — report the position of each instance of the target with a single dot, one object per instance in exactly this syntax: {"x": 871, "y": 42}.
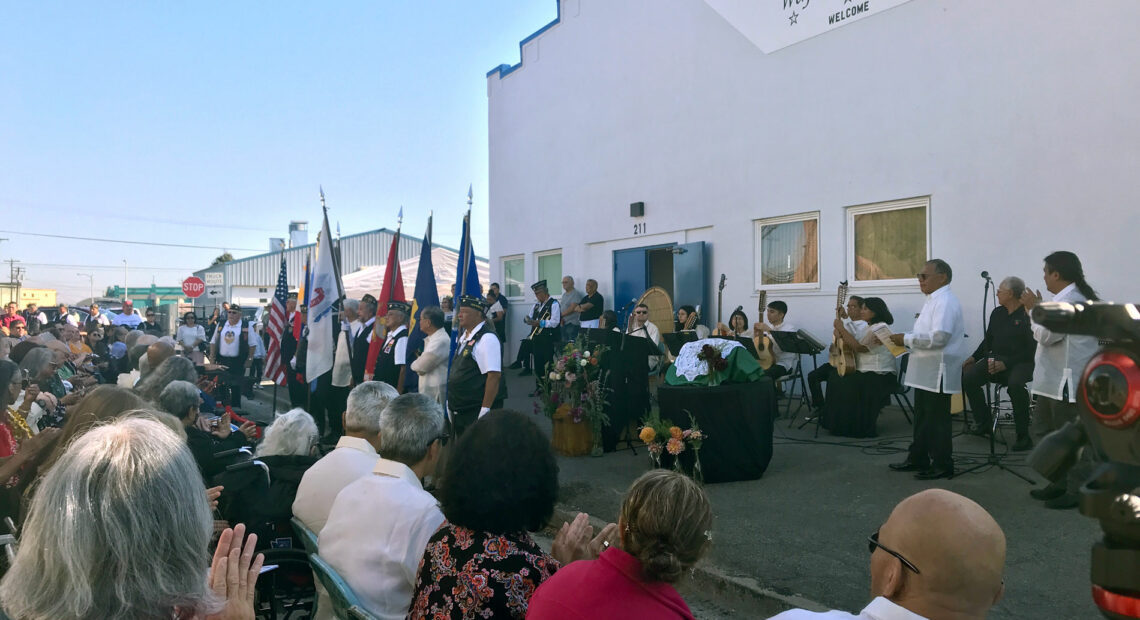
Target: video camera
{"x": 1109, "y": 401}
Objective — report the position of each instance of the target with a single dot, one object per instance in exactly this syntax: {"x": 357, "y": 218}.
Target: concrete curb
{"x": 741, "y": 594}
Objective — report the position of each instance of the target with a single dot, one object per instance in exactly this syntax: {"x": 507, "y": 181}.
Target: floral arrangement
{"x": 574, "y": 386}
{"x": 712, "y": 356}
{"x": 663, "y": 437}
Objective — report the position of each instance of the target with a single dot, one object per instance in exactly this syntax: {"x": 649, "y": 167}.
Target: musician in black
{"x": 1005, "y": 356}
{"x": 474, "y": 383}
{"x": 361, "y": 337}
{"x": 545, "y": 319}
{"x": 852, "y": 322}
{"x": 390, "y": 361}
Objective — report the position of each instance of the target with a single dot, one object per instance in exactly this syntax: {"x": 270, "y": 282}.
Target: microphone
{"x": 986, "y": 275}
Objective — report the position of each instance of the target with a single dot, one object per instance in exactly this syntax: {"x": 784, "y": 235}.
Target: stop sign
{"x": 193, "y": 286}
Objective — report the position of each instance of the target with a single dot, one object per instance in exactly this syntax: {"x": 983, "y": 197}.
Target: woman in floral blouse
{"x": 500, "y": 483}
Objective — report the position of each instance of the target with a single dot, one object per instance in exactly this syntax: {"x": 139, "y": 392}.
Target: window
{"x": 262, "y": 290}
{"x": 787, "y": 251}
{"x": 263, "y": 300}
{"x": 550, "y": 269}
{"x": 513, "y": 281}
{"x": 888, "y": 241}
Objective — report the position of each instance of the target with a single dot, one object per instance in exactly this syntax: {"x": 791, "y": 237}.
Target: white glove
{"x": 484, "y": 411}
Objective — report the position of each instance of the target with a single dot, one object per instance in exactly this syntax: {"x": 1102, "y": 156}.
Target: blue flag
{"x": 466, "y": 276}
{"x": 425, "y": 295}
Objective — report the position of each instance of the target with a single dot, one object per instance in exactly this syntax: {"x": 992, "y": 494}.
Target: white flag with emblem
{"x": 324, "y": 293}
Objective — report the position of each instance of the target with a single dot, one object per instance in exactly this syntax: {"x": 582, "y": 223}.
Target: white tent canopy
{"x": 444, "y": 261}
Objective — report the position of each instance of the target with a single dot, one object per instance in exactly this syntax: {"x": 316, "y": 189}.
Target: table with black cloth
{"x": 737, "y": 420}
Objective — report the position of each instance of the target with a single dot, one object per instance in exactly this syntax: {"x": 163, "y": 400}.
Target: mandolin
{"x": 839, "y": 355}
{"x": 762, "y": 342}
{"x": 720, "y": 300}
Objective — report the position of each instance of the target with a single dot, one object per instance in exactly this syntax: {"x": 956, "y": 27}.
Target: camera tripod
{"x": 994, "y": 459}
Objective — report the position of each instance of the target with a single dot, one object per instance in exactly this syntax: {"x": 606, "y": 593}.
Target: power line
{"x": 165, "y": 245}
{"x": 115, "y": 267}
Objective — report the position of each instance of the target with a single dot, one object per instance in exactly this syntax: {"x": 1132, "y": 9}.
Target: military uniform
{"x": 393, "y": 354}
{"x": 476, "y": 355}
{"x": 548, "y": 314}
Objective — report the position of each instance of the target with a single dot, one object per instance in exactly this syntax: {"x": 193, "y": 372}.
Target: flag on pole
{"x": 274, "y": 366}
{"x": 324, "y": 291}
{"x": 425, "y": 295}
{"x": 392, "y": 290}
{"x": 466, "y": 276}
{"x": 302, "y": 297}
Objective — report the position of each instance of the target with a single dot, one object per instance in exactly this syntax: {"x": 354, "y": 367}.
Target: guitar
{"x": 720, "y": 300}
{"x": 762, "y": 343}
{"x": 839, "y": 355}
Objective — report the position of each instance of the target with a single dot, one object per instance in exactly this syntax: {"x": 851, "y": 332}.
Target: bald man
{"x": 939, "y": 555}
{"x": 158, "y": 352}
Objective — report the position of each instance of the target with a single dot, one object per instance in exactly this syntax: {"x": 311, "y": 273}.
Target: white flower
{"x": 557, "y": 377}
{"x": 586, "y": 354}
{"x": 554, "y": 376}
{"x": 583, "y": 362}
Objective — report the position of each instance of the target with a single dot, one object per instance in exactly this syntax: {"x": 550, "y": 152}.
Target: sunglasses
{"x": 641, "y": 312}
{"x": 873, "y": 542}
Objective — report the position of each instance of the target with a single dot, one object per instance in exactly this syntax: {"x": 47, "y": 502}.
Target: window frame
{"x": 882, "y": 207}
{"x": 758, "y": 252}
{"x": 538, "y": 256}
{"x": 503, "y": 273}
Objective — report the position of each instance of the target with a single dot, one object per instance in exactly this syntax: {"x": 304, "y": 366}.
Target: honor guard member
{"x": 230, "y": 348}
{"x": 546, "y": 320}
{"x": 390, "y": 366}
{"x": 474, "y": 385}
{"x": 361, "y": 338}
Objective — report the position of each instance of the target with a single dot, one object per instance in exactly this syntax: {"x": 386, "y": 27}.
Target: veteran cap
{"x": 538, "y": 285}
{"x": 473, "y": 302}
{"x": 402, "y": 306}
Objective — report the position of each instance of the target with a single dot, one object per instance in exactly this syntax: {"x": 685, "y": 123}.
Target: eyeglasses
{"x": 873, "y": 541}
{"x": 641, "y": 312}
{"x": 442, "y": 439}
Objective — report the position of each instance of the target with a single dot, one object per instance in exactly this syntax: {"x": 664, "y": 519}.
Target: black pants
{"x": 776, "y": 371}
{"x": 815, "y": 381}
{"x": 461, "y": 421}
{"x": 525, "y": 349}
{"x": 543, "y": 347}
{"x": 932, "y": 432}
{"x": 975, "y": 376}
{"x": 235, "y": 376}
{"x": 298, "y": 390}
{"x": 338, "y": 403}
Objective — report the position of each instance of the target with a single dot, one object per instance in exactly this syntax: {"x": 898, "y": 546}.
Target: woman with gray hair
{"x": 291, "y": 434}
{"x": 173, "y": 369}
{"x": 431, "y": 365}
{"x": 118, "y": 494}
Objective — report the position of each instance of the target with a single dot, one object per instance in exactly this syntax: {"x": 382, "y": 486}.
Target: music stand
{"x": 748, "y": 345}
{"x": 630, "y": 374}
{"x": 801, "y": 343}
{"x": 596, "y": 335}
{"x": 676, "y": 340}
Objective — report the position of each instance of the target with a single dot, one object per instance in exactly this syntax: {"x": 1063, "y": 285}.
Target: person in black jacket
{"x": 1004, "y": 356}
{"x": 181, "y": 400}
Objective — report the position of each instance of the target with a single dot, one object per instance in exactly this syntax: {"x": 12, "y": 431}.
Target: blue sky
{"x": 212, "y": 124}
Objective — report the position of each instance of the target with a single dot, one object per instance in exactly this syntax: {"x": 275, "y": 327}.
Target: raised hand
{"x": 233, "y": 573}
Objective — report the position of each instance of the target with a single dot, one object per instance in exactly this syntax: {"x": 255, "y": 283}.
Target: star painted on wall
{"x": 792, "y": 18}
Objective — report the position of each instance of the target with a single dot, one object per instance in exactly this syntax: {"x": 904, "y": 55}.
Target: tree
{"x": 224, "y": 258}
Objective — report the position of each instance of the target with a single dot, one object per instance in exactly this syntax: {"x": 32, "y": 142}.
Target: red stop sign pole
{"x": 193, "y": 286}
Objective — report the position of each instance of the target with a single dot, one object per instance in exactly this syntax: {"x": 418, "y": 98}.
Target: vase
{"x": 683, "y": 462}
{"x": 570, "y": 438}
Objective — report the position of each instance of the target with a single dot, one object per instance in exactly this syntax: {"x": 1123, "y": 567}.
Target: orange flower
{"x": 675, "y": 446}
{"x": 675, "y": 432}
{"x": 593, "y": 361}
{"x": 647, "y": 435}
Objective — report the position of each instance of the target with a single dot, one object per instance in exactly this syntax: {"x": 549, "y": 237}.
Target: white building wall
{"x": 1017, "y": 118}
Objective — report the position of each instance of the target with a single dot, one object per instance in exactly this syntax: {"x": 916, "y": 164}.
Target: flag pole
{"x": 274, "y": 407}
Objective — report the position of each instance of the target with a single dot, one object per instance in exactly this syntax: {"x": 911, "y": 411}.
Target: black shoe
{"x": 525, "y": 373}
{"x": 1050, "y": 492}
{"x": 935, "y": 473}
{"x": 1064, "y": 502}
{"x": 516, "y": 365}
{"x": 907, "y": 465}
{"x": 1022, "y": 444}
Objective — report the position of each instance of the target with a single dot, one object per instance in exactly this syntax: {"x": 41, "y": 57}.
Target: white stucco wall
{"x": 1017, "y": 118}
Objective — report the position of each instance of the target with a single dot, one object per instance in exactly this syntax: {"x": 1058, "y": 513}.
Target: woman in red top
{"x": 665, "y": 528}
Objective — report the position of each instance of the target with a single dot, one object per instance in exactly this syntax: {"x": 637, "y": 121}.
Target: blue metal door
{"x": 629, "y": 280}
{"x": 689, "y": 278}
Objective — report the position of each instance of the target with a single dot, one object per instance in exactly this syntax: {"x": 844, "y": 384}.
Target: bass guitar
{"x": 839, "y": 355}
{"x": 761, "y": 341}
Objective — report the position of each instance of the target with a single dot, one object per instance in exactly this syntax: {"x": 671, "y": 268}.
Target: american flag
{"x": 274, "y": 367}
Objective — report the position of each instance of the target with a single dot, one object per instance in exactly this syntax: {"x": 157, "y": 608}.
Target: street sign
{"x": 213, "y": 278}
{"x": 193, "y": 286}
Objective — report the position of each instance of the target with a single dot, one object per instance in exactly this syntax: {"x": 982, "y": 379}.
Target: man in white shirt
{"x": 1058, "y": 363}
{"x": 546, "y": 319}
{"x": 939, "y": 555}
{"x": 127, "y": 316}
{"x": 380, "y": 524}
{"x": 571, "y": 314}
{"x": 785, "y": 362}
{"x": 355, "y": 454}
{"x": 231, "y": 348}
{"x": 474, "y": 381}
{"x": 937, "y": 349}
{"x": 639, "y": 325}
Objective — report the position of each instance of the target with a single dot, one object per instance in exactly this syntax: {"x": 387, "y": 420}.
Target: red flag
{"x": 392, "y": 290}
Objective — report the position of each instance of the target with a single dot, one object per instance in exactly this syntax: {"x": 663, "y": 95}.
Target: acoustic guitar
{"x": 762, "y": 342}
{"x": 720, "y": 300}
{"x": 839, "y": 355}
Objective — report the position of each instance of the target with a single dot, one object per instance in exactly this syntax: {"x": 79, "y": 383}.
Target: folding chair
{"x": 344, "y": 601}
{"x": 901, "y": 391}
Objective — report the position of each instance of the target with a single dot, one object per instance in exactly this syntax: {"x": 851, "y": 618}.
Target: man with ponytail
{"x": 1058, "y": 364}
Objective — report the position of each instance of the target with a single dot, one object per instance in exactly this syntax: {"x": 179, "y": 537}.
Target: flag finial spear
{"x": 322, "y": 196}
{"x": 468, "y": 196}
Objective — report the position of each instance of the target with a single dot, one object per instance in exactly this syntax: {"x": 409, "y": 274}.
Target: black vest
{"x": 360, "y": 353}
{"x": 243, "y": 341}
{"x": 386, "y": 368}
{"x": 465, "y": 383}
{"x": 536, "y": 314}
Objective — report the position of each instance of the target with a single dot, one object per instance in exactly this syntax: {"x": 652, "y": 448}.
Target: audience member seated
{"x": 939, "y": 555}
{"x": 500, "y": 482}
{"x": 172, "y": 369}
{"x": 205, "y": 437}
{"x": 354, "y": 457}
{"x": 120, "y": 529}
{"x": 20, "y": 444}
{"x": 380, "y": 524}
{"x": 286, "y": 452}
{"x": 608, "y": 320}
{"x": 103, "y": 404}
{"x": 665, "y": 526}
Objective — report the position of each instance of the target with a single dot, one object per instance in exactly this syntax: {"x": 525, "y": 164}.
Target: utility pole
{"x": 126, "y": 291}
{"x": 12, "y": 278}
{"x": 91, "y": 281}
